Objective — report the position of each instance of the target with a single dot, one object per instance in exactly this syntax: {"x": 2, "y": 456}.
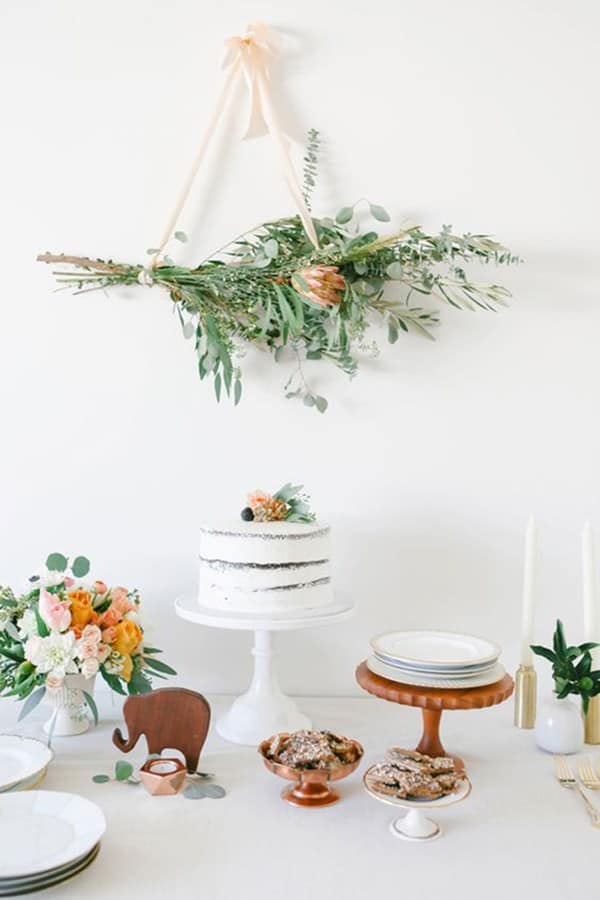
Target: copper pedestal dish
{"x": 310, "y": 787}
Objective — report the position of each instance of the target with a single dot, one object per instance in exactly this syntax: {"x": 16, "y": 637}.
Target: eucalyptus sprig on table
{"x": 196, "y": 790}
{"x": 271, "y": 288}
{"x": 571, "y": 667}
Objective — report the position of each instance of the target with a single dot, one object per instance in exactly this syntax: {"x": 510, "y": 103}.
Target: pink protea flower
{"x": 321, "y": 284}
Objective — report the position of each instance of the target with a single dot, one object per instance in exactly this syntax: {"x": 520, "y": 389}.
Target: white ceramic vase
{"x": 559, "y": 726}
{"x": 70, "y": 710}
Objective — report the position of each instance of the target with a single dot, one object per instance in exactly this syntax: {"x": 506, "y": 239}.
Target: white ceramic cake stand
{"x": 415, "y": 826}
{"x": 264, "y": 709}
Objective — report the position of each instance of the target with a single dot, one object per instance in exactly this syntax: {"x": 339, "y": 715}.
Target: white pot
{"x": 70, "y": 710}
{"x": 559, "y": 726}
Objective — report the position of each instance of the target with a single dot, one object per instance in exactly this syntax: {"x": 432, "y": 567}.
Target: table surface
{"x": 519, "y": 834}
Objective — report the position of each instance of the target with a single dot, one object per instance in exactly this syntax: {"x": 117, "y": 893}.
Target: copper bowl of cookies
{"x": 311, "y": 760}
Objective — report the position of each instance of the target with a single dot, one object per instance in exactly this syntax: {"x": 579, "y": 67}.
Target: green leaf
{"x": 113, "y": 682}
{"x": 395, "y": 271}
{"x": 159, "y": 665}
{"x": 271, "y": 248}
{"x": 344, "y": 215}
{"x": 32, "y": 701}
{"x": 543, "y": 651}
{"x": 379, "y": 213}
{"x": 181, "y": 236}
{"x": 309, "y": 400}
{"x": 56, "y": 562}
{"x": 92, "y": 705}
{"x": 392, "y": 333}
{"x": 80, "y": 567}
{"x": 321, "y": 404}
{"x": 100, "y": 779}
{"x": 214, "y": 791}
{"x": 42, "y": 628}
{"x": 218, "y": 386}
{"x": 237, "y": 391}
{"x": 195, "y": 791}
{"x": 559, "y": 642}
{"x": 123, "y": 770}
{"x": 152, "y": 251}
{"x": 148, "y": 650}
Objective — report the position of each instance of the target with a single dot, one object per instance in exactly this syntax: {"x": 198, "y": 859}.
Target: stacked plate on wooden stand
{"x": 46, "y": 837}
{"x": 437, "y": 659}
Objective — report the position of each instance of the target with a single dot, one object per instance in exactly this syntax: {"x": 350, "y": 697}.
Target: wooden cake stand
{"x": 432, "y": 701}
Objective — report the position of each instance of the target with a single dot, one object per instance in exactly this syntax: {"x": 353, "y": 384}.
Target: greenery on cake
{"x": 289, "y": 504}
{"x": 271, "y": 288}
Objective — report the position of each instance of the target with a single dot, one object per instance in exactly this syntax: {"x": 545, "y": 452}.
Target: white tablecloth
{"x": 518, "y": 835}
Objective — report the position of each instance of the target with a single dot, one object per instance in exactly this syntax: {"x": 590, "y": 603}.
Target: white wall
{"x": 480, "y": 114}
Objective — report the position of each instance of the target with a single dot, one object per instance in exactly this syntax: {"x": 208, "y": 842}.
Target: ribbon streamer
{"x": 247, "y": 57}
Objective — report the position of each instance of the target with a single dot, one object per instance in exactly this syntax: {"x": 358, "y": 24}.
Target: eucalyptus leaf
{"x": 123, "y": 770}
{"x": 344, "y": 215}
{"x": 80, "y": 567}
{"x": 56, "y": 562}
{"x": 195, "y": 791}
{"x": 321, "y": 404}
{"x": 181, "y": 236}
{"x": 214, "y": 791}
{"x": 271, "y": 248}
{"x": 379, "y": 213}
{"x": 100, "y": 779}
{"x": 309, "y": 400}
{"x": 32, "y": 701}
{"x": 237, "y": 391}
{"x": 395, "y": 271}
{"x": 92, "y": 705}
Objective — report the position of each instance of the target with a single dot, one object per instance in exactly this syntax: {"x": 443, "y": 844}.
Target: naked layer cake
{"x": 276, "y": 560}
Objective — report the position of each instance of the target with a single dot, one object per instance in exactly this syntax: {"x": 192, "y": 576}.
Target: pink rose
{"x": 119, "y": 594}
{"x": 103, "y": 653}
{"x": 54, "y": 613}
{"x": 87, "y": 649}
{"x": 111, "y": 617}
{"x": 69, "y": 582}
{"x": 54, "y": 681}
{"x": 91, "y": 633}
{"x": 89, "y": 667}
{"x": 99, "y": 587}
{"x": 109, "y": 635}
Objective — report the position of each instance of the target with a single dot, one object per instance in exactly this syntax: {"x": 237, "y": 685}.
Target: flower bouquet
{"x": 64, "y": 631}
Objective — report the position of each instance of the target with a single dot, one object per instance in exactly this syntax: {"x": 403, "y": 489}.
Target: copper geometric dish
{"x": 310, "y": 787}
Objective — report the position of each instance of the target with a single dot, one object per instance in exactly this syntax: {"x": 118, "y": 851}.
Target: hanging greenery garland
{"x": 301, "y": 288}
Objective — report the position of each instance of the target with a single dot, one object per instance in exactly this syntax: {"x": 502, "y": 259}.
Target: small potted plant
{"x": 67, "y": 629}
{"x": 559, "y": 725}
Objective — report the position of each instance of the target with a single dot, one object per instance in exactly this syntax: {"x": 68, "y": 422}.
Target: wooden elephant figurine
{"x": 174, "y": 718}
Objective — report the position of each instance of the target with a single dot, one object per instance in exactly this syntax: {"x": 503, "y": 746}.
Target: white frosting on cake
{"x": 265, "y": 566}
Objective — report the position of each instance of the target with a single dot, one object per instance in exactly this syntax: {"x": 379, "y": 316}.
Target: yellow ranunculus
{"x": 81, "y": 607}
{"x": 128, "y": 637}
{"x": 127, "y": 668}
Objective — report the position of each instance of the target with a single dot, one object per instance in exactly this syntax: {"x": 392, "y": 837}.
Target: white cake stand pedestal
{"x": 264, "y": 709}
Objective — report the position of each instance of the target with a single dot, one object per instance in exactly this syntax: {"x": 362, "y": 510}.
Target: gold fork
{"x": 565, "y": 777}
{"x": 588, "y": 774}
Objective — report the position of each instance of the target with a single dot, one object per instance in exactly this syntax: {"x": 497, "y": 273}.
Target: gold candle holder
{"x": 525, "y": 696}
{"x": 591, "y": 721}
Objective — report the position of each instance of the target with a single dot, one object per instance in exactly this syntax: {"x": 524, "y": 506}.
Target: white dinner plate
{"x": 11, "y": 887}
{"x": 435, "y": 648}
{"x": 42, "y": 830}
{"x": 28, "y": 784}
{"x": 21, "y": 758}
{"x": 440, "y": 671}
{"x": 435, "y": 681}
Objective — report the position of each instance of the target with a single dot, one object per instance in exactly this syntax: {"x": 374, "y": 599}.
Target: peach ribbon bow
{"x": 248, "y": 56}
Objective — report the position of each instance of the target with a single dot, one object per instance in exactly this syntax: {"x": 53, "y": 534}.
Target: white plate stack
{"x": 23, "y": 762}
{"x": 47, "y": 837}
{"x": 437, "y": 659}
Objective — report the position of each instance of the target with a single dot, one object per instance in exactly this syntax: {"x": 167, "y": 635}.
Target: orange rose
{"x": 128, "y": 637}
{"x": 110, "y": 617}
{"x": 81, "y": 607}
{"x": 127, "y": 668}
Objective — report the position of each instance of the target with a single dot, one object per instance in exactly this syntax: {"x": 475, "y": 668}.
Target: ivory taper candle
{"x": 590, "y": 618}
{"x": 528, "y": 593}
